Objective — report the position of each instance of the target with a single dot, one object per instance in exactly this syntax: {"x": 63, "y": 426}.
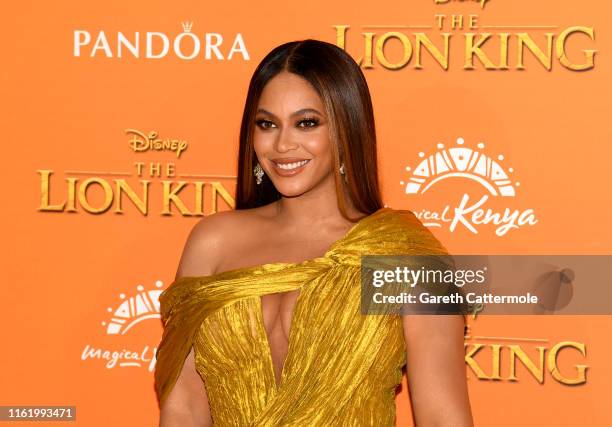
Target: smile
{"x": 291, "y": 166}
{"x": 290, "y": 169}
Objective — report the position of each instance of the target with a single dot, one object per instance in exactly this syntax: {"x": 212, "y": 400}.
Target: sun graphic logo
{"x": 131, "y": 311}
{"x": 462, "y": 162}
{"x": 142, "y": 306}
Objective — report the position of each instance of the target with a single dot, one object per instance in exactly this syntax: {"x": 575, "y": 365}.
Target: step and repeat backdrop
{"x": 121, "y": 124}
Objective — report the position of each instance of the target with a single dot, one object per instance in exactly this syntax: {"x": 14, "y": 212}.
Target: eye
{"x": 264, "y": 124}
{"x": 309, "y": 122}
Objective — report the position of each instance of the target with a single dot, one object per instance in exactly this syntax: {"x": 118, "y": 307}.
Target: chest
{"x": 277, "y": 312}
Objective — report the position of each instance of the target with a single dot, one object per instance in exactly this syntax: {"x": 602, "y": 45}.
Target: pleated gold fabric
{"x": 342, "y": 367}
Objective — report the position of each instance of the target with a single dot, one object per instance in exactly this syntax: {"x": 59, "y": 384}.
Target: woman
{"x": 262, "y": 325}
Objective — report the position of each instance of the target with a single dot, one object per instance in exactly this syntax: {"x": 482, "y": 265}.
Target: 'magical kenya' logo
{"x": 131, "y": 311}
{"x": 462, "y": 162}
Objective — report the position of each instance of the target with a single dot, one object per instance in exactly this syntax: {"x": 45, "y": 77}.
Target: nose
{"x": 284, "y": 141}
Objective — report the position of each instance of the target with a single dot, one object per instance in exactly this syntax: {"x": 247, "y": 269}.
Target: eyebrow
{"x": 295, "y": 113}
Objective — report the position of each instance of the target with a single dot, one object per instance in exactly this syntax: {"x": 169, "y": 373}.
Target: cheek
{"x": 318, "y": 144}
{"x": 262, "y": 141}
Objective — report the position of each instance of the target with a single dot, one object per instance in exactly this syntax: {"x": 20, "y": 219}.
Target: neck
{"x": 315, "y": 207}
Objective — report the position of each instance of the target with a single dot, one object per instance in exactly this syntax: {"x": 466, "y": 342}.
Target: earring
{"x": 259, "y": 173}
{"x": 342, "y": 171}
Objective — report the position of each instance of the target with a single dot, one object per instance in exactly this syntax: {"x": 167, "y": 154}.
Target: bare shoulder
{"x": 215, "y": 235}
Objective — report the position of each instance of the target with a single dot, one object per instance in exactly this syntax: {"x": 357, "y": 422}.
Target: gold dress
{"x": 342, "y": 368}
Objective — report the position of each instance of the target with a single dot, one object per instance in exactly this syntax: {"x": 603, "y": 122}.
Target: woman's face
{"x": 291, "y": 137}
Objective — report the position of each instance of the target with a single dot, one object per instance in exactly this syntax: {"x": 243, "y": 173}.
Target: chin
{"x": 296, "y": 186}
{"x": 293, "y": 190}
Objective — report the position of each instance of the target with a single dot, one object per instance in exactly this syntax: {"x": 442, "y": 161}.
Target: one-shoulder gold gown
{"x": 342, "y": 367}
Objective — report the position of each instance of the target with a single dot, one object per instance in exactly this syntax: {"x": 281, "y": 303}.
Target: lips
{"x": 289, "y": 166}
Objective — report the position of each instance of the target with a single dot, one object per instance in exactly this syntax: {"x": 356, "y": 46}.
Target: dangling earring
{"x": 342, "y": 171}
{"x": 259, "y": 173}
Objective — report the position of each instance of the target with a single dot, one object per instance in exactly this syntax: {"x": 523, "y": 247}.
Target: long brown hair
{"x": 343, "y": 88}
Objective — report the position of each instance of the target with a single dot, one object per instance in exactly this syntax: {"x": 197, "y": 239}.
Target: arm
{"x": 187, "y": 404}
{"x": 436, "y": 370}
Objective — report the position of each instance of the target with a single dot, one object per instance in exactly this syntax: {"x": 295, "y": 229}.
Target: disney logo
{"x": 482, "y": 3}
{"x": 142, "y": 142}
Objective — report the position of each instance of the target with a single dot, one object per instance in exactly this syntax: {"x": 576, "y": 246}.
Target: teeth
{"x": 289, "y": 166}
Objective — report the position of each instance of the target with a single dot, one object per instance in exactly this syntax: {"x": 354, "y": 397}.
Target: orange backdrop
{"x": 94, "y": 224}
